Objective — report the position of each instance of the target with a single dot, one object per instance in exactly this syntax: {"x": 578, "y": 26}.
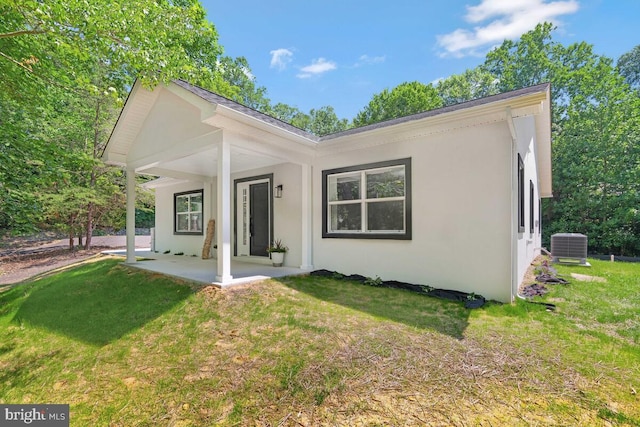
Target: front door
{"x": 253, "y": 217}
{"x": 259, "y": 218}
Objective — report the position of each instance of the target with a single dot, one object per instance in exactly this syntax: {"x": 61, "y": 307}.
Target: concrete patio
{"x": 204, "y": 271}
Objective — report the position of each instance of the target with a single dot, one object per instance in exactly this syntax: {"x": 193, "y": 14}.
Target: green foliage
{"x": 629, "y": 67}
{"x": 142, "y": 348}
{"x": 373, "y": 282}
{"x": 320, "y": 122}
{"x": 403, "y": 100}
{"x": 596, "y": 142}
{"x": 472, "y": 84}
{"x": 277, "y": 246}
{"x": 96, "y": 314}
{"x": 66, "y": 67}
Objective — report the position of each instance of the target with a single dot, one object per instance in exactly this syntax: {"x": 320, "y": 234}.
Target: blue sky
{"x": 310, "y": 54}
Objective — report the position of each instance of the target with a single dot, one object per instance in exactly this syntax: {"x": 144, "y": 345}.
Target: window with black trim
{"x": 539, "y": 216}
{"x": 520, "y": 194}
{"x": 187, "y": 209}
{"x": 531, "y": 206}
{"x": 370, "y": 201}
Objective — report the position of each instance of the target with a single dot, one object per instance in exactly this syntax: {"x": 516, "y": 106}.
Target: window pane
{"x": 385, "y": 216}
{"x": 346, "y": 217}
{"x": 196, "y": 203}
{"x": 182, "y": 204}
{"x": 389, "y": 183}
{"x": 196, "y": 222}
{"x": 183, "y": 222}
{"x": 344, "y": 187}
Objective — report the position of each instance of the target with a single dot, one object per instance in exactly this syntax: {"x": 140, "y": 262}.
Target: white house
{"x": 449, "y": 198}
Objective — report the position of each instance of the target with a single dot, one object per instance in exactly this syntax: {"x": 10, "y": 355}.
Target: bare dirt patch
{"x": 587, "y": 278}
{"x": 24, "y": 258}
{"x": 18, "y": 268}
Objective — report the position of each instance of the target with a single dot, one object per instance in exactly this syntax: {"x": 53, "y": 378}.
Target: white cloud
{"x": 508, "y": 19}
{"x": 317, "y": 67}
{"x": 366, "y": 59}
{"x": 280, "y": 58}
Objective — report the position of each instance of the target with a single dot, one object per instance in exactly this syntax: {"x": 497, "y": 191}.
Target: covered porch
{"x": 200, "y": 143}
{"x": 205, "y": 271}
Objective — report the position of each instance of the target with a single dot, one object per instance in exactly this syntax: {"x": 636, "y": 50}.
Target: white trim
{"x": 243, "y": 217}
{"x": 131, "y": 216}
{"x": 307, "y": 218}
{"x": 224, "y": 212}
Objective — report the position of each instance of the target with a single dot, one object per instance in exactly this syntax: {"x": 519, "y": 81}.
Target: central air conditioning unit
{"x": 569, "y": 248}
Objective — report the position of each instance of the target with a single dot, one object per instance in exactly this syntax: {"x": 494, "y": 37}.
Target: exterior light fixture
{"x": 277, "y": 193}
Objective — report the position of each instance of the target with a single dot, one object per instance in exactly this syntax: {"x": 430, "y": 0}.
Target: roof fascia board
{"x": 135, "y": 101}
{"x": 474, "y": 116}
{"x": 260, "y": 125}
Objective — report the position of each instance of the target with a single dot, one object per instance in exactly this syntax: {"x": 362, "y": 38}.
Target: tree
{"x": 629, "y": 67}
{"x": 320, "y": 122}
{"x": 238, "y": 74}
{"x": 596, "y": 154}
{"x": 597, "y": 165}
{"x": 324, "y": 121}
{"x": 405, "y": 99}
{"x": 68, "y": 64}
{"x": 46, "y": 40}
{"x": 472, "y": 84}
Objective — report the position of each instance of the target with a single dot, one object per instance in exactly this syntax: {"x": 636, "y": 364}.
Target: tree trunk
{"x": 71, "y": 236}
{"x": 79, "y": 239}
{"x": 93, "y": 180}
{"x": 90, "y": 207}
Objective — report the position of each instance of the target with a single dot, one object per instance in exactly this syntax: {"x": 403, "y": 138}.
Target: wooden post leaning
{"x": 211, "y": 229}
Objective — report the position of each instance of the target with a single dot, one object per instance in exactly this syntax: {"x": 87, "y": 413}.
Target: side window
{"x": 187, "y": 209}
{"x": 539, "y": 216}
{"x": 371, "y": 201}
{"x": 520, "y": 195}
{"x": 531, "y": 206}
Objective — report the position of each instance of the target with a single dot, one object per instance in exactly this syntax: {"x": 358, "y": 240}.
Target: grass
{"x": 129, "y": 348}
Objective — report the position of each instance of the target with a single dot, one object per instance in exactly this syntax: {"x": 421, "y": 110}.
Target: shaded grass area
{"x": 409, "y": 308}
{"x": 95, "y": 304}
{"x": 316, "y": 351}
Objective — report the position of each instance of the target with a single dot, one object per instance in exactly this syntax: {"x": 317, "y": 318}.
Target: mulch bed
{"x": 470, "y": 300}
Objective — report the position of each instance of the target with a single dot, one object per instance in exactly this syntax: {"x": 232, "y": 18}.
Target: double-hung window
{"x": 188, "y": 212}
{"x": 371, "y": 201}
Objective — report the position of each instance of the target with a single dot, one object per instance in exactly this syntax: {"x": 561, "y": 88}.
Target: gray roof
{"x": 221, "y": 100}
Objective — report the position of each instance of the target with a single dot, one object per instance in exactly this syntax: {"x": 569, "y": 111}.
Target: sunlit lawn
{"x": 125, "y": 347}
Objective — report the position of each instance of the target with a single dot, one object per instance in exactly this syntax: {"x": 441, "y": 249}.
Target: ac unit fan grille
{"x": 569, "y": 247}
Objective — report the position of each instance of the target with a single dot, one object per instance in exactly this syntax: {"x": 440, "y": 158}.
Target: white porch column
{"x": 307, "y": 218}
{"x": 223, "y": 223}
{"x": 131, "y": 216}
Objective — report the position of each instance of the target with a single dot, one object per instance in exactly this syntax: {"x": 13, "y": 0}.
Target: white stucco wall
{"x": 171, "y": 122}
{"x": 287, "y": 222}
{"x": 461, "y": 214}
{"x": 165, "y": 239}
{"x": 287, "y": 213}
{"x": 528, "y": 244}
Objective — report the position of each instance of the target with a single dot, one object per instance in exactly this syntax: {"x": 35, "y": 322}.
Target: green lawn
{"x": 129, "y": 348}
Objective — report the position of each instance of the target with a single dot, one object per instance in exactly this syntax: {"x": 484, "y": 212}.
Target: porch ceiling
{"x": 203, "y": 165}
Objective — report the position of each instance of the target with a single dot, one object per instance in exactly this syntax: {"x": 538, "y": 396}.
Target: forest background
{"x": 68, "y": 65}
